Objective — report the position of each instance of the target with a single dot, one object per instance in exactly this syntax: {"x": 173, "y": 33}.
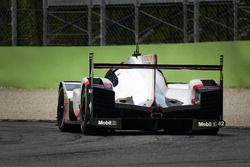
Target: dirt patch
{"x": 237, "y": 107}
{"x": 40, "y": 104}
{"x": 32, "y": 104}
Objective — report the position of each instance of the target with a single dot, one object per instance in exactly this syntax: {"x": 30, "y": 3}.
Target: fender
{"x": 68, "y": 88}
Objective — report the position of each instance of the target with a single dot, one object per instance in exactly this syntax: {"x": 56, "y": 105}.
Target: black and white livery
{"x": 135, "y": 95}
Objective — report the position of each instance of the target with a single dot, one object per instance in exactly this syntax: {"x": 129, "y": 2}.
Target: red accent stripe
{"x": 86, "y": 83}
{"x": 153, "y": 103}
{"x": 195, "y": 87}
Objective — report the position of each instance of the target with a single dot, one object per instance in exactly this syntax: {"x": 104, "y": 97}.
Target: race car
{"x": 135, "y": 95}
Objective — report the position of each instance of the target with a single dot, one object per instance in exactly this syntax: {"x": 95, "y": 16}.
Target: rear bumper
{"x": 155, "y": 123}
{"x": 108, "y": 114}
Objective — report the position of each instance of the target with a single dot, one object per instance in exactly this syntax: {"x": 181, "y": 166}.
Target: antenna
{"x": 136, "y": 52}
{"x": 137, "y": 48}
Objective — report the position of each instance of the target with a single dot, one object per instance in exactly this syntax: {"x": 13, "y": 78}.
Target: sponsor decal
{"x": 222, "y": 123}
{"x": 207, "y": 124}
{"x": 107, "y": 122}
{"x": 148, "y": 59}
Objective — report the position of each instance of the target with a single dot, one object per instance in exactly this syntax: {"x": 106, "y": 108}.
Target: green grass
{"x": 44, "y": 67}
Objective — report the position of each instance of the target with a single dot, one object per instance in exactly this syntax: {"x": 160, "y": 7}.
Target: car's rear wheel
{"x": 85, "y": 112}
{"x": 85, "y": 116}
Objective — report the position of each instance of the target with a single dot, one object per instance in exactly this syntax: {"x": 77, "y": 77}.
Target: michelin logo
{"x": 107, "y": 122}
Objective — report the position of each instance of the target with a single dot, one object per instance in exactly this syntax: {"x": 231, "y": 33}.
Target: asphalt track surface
{"x": 42, "y": 144}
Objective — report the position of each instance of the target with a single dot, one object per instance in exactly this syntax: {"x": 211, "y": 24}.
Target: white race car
{"x": 135, "y": 95}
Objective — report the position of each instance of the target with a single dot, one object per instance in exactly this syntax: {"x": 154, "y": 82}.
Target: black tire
{"x": 87, "y": 129}
{"x": 60, "y": 111}
{"x": 85, "y": 111}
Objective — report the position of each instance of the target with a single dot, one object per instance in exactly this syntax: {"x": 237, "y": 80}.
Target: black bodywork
{"x": 110, "y": 115}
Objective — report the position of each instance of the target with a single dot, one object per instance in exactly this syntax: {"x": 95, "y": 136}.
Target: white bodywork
{"x": 139, "y": 84}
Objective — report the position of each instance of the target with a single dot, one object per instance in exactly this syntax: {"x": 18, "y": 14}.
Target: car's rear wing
{"x": 159, "y": 66}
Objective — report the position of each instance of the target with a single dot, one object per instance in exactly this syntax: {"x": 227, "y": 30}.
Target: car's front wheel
{"x": 60, "y": 111}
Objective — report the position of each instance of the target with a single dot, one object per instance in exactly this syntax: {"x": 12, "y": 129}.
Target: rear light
{"x": 196, "y": 96}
